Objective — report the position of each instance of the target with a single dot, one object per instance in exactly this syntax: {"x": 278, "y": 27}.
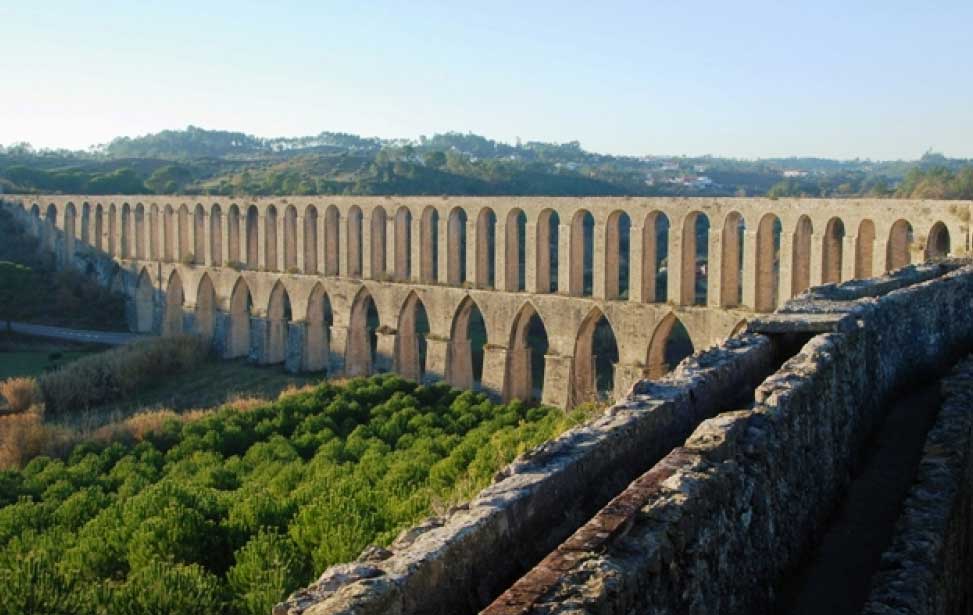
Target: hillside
{"x": 202, "y": 161}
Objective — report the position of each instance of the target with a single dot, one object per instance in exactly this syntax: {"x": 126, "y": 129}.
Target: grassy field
{"x": 31, "y": 356}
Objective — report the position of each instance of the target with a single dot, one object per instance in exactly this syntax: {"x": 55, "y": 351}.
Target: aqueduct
{"x": 515, "y": 295}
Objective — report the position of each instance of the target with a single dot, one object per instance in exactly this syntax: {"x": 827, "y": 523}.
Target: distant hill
{"x": 196, "y": 160}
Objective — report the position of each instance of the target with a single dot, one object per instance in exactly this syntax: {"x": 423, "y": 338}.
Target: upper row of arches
{"x": 691, "y": 261}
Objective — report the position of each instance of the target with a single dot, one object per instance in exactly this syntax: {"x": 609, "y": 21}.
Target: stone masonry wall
{"x": 926, "y": 569}
{"x": 458, "y": 563}
{"x": 716, "y": 524}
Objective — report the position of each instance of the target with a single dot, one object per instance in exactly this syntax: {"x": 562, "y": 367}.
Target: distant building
{"x": 794, "y": 173}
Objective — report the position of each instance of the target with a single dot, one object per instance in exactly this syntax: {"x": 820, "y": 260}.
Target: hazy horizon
{"x": 756, "y": 80}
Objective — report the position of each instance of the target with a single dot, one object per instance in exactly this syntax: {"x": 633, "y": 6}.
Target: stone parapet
{"x": 926, "y": 569}
{"x": 714, "y": 526}
{"x": 456, "y": 564}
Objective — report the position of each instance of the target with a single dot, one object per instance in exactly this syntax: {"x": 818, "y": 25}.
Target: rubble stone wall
{"x": 926, "y": 569}
{"x": 715, "y": 525}
{"x": 458, "y": 563}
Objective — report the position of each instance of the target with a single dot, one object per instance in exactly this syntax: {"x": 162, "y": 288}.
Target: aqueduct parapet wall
{"x": 292, "y": 279}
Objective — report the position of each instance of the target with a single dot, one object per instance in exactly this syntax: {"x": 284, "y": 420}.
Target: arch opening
{"x": 379, "y": 223}
{"x": 937, "y": 243}
{"x": 865, "y": 250}
{"x": 617, "y": 255}
{"x": 801, "y": 256}
{"x": 515, "y": 243}
{"x": 429, "y": 245}
{"x": 731, "y": 265}
{"x": 595, "y": 356}
{"x": 332, "y": 230}
{"x": 581, "y": 281}
{"x": 467, "y": 338}
{"x": 290, "y": 239}
{"x": 144, "y": 303}
{"x": 241, "y": 306}
{"x": 655, "y": 257}
{"x": 456, "y": 247}
{"x": 695, "y": 259}
{"x": 548, "y": 227}
{"x": 486, "y": 249}
{"x": 410, "y": 340}
{"x": 253, "y": 254}
{"x": 310, "y": 231}
{"x": 271, "y": 262}
{"x": 199, "y": 235}
{"x": 216, "y": 236}
{"x": 526, "y": 353}
{"x": 279, "y": 316}
{"x": 175, "y": 298}
{"x": 403, "y": 244}
{"x": 140, "y": 231}
{"x": 832, "y": 251}
{"x": 233, "y": 235}
{"x": 320, "y": 318}
{"x": 670, "y": 344}
{"x": 898, "y": 252}
{"x": 354, "y": 256}
{"x": 362, "y": 336}
{"x": 767, "y": 292}
{"x": 205, "y": 312}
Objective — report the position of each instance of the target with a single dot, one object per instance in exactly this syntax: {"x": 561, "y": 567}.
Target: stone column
{"x": 437, "y": 353}
{"x": 494, "y": 370}
{"x": 343, "y": 259}
{"x": 557, "y": 380}
{"x": 390, "y": 252}
{"x": 261, "y": 240}
{"x": 259, "y": 333}
{"x": 817, "y": 258}
{"x": 299, "y": 239}
{"x": 339, "y": 345}
{"x": 635, "y": 258}
{"x": 880, "y": 256}
{"x": 749, "y": 279}
{"x": 443, "y": 239}
{"x": 221, "y": 333}
{"x": 459, "y": 369}
{"x": 296, "y": 339}
{"x": 600, "y": 285}
{"x": 280, "y": 235}
{"x": 674, "y": 264}
{"x": 714, "y": 268}
{"x": 625, "y": 377}
{"x": 471, "y": 243}
{"x": 500, "y": 257}
{"x": 384, "y": 351}
{"x": 321, "y": 246}
{"x": 530, "y": 257}
{"x": 225, "y": 237}
{"x": 564, "y": 259}
{"x": 366, "y": 245}
{"x": 786, "y": 268}
{"x": 849, "y": 254}
{"x": 415, "y": 248}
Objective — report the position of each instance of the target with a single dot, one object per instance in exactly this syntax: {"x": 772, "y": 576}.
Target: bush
{"x": 117, "y": 373}
{"x": 20, "y": 393}
{"x": 234, "y": 509}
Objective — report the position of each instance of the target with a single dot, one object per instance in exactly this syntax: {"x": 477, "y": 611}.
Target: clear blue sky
{"x": 878, "y": 79}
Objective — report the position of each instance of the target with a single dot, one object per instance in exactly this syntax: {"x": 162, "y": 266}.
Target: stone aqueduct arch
{"x": 355, "y": 285}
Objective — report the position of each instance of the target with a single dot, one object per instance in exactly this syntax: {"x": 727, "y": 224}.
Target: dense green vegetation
{"x": 33, "y": 290}
{"x": 219, "y": 162}
{"x": 229, "y": 513}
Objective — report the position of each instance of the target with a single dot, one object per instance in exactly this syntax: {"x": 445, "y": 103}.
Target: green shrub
{"x": 231, "y": 512}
